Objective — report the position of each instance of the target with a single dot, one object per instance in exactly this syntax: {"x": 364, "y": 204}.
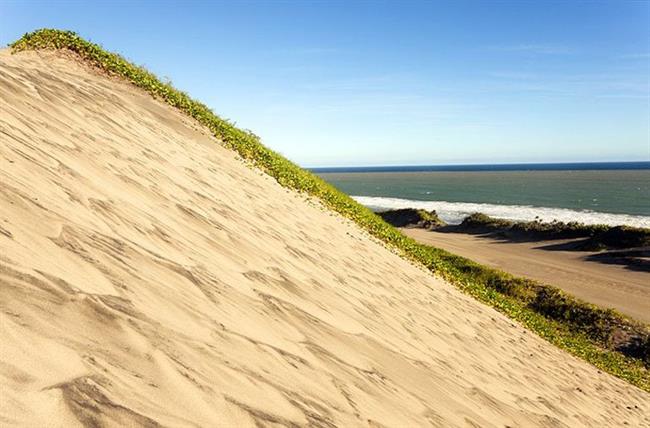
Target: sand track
{"x": 606, "y": 285}
{"x": 147, "y": 277}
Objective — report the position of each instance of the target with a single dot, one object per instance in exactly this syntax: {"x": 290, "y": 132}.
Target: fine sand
{"x": 147, "y": 276}
{"x": 606, "y": 285}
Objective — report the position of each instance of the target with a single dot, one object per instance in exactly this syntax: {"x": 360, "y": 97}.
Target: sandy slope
{"x": 607, "y": 285}
{"x": 148, "y": 277}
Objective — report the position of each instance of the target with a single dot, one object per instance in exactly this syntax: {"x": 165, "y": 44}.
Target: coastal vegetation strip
{"x": 598, "y": 236}
{"x": 584, "y": 330}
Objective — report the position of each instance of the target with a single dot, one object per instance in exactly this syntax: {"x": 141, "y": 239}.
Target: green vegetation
{"x": 406, "y": 217}
{"x": 579, "y": 328}
{"x": 598, "y": 236}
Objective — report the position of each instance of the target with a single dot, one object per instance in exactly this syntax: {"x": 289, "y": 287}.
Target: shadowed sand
{"x": 148, "y": 277}
{"x": 606, "y": 285}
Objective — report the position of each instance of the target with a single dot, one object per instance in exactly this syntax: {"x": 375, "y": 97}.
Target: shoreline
{"x": 607, "y": 285}
{"x": 453, "y": 213}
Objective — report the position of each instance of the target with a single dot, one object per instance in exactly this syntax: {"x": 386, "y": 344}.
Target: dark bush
{"x": 410, "y": 217}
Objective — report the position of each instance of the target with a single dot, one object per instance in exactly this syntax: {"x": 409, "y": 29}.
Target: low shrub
{"x": 598, "y": 236}
{"x": 622, "y": 237}
{"x": 410, "y": 217}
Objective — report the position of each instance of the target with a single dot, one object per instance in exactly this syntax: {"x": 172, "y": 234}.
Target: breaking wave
{"x": 455, "y": 212}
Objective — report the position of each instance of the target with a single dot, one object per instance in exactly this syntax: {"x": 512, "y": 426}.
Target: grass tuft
{"x": 582, "y": 329}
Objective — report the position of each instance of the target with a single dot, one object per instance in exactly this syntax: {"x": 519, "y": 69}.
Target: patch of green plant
{"x": 579, "y": 328}
{"x": 412, "y": 217}
{"x": 599, "y": 236}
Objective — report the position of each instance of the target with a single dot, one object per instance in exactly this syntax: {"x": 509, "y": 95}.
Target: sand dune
{"x": 148, "y": 277}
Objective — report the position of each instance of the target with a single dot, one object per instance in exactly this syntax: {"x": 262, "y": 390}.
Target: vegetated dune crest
{"x": 147, "y": 276}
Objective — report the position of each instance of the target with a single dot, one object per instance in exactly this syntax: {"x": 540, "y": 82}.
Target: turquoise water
{"x": 589, "y": 196}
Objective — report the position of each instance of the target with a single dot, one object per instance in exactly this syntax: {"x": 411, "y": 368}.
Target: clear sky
{"x": 380, "y": 83}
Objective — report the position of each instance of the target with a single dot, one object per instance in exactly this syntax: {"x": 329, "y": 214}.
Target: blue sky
{"x": 380, "y": 83}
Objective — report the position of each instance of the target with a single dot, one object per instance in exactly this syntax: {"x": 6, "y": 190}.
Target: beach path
{"x": 607, "y": 285}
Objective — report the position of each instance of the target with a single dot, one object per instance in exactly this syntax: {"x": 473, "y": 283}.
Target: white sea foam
{"x": 455, "y": 212}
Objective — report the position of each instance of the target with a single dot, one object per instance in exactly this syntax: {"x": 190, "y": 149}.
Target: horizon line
{"x": 459, "y": 165}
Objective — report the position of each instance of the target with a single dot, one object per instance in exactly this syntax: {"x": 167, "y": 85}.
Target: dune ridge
{"x": 149, "y": 277}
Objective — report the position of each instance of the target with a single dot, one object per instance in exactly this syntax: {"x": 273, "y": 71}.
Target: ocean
{"x": 592, "y": 193}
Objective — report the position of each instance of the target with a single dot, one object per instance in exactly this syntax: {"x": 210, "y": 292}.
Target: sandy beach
{"x": 148, "y": 277}
{"x": 607, "y": 285}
